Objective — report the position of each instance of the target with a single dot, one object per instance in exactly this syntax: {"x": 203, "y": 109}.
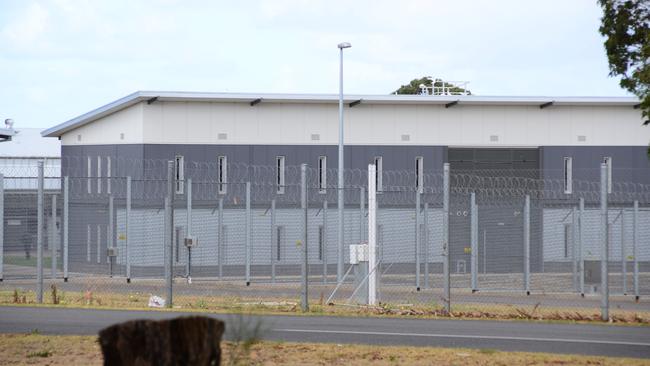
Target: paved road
{"x": 628, "y": 341}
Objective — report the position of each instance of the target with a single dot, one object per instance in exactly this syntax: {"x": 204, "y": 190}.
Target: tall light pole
{"x": 341, "y": 167}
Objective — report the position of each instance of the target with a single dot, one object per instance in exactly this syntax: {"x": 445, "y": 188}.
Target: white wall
{"x": 108, "y": 130}
{"x": 277, "y": 123}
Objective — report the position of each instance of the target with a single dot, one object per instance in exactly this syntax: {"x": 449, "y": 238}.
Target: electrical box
{"x": 358, "y": 253}
{"x": 191, "y": 242}
{"x": 111, "y": 252}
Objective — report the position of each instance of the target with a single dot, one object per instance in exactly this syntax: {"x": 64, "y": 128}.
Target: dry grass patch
{"x": 35, "y": 349}
{"x": 207, "y": 303}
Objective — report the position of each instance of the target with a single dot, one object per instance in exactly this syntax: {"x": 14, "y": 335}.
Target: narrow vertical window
{"x": 568, "y": 175}
{"x": 222, "y": 174}
{"x": 419, "y": 174}
{"x": 179, "y": 173}
{"x": 89, "y": 175}
{"x": 99, "y": 174}
{"x": 278, "y": 239}
{"x": 321, "y": 241}
{"x": 608, "y": 160}
{"x": 378, "y": 178}
{"x": 322, "y": 174}
{"x": 108, "y": 174}
{"x": 280, "y": 174}
{"x": 568, "y": 230}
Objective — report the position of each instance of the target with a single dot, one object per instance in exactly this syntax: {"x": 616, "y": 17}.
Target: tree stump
{"x": 191, "y": 340}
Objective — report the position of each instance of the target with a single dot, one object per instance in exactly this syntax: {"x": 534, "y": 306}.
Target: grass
{"x": 196, "y": 303}
{"x": 18, "y": 349}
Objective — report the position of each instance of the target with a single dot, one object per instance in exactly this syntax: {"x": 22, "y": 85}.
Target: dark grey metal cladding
{"x": 630, "y": 163}
{"x": 500, "y": 223}
{"x": 126, "y": 159}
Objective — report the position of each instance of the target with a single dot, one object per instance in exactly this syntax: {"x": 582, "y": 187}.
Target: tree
{"x": 414, "y": 87}
{"x": 626, "y": 26}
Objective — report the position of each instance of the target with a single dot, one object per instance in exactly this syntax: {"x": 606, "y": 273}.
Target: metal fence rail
{"x": 453, "y": 239}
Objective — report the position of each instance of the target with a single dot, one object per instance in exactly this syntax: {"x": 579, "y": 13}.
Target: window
{"x": 568, "y": 238}
{"x": 222, "y": 171}
{"x": 280, "y": 174}
{"x": 378, "y": 178}
{"x": 90, "y": 174}
{"x": 568, "y": 175}
{"x": 179, "y": 173}
{"x": 99, "y": 174}
{"x": 419, "y": 175}
{"x": 321, "y": 242}
{"x": 279, "y": 233}
{"x": 608, "y": 160}
{"x": 178, "y": 238}
{"x": 108, "y": 174}
{"x": 322, "y": 174}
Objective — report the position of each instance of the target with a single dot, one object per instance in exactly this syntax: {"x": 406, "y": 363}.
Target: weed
{"x": 244, "y": 333}
{"x": 42, "y": 353}
{"x": 55, "y": 297}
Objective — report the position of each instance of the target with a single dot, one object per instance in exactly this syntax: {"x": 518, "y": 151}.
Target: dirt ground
{"x": 36, "y": 349}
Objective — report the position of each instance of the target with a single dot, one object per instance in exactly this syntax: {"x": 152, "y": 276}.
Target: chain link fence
{"x": 456, "y": 240}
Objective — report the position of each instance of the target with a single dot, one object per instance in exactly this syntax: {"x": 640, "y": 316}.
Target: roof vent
{"x": 222, "y": 136}
{"x": 494, "y": 138}
{"x": 406, "y": 137}
{"x": 582, "y": 138}
{"x": 315, "y": 136}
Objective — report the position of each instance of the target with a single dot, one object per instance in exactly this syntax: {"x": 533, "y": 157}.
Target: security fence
{"x": 451, "y": 239}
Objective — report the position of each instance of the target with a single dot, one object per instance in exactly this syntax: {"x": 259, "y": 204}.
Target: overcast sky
{"x": 62, "y": 58}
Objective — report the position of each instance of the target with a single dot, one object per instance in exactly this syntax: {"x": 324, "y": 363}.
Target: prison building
{"x": 19, "y": 159}
{"x": 228, "y": 138}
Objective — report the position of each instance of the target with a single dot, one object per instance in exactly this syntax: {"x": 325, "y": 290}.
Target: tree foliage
{"x": 414, "y": 87}
{"x": 626, "y": 26}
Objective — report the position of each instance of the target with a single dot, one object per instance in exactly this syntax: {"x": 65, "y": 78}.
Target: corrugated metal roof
{"x": 141, "y": 96}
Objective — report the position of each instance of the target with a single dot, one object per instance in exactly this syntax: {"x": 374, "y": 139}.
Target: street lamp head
{"x": 344, "y": 45}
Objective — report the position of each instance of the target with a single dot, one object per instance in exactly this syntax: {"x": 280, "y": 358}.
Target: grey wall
{"x": 630, "y": 163}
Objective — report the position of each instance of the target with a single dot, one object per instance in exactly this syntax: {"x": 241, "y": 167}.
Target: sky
{"x": 63, "y": 58}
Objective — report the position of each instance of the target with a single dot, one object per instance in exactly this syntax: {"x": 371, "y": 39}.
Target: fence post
{"x": 304, "y": 305}
{"x": 527, "y": 245}
{"x": 635, "y": 239}
{"x": 581, "y": 235}
{"x": 2, "y": 226}
{"x": 417, "y": 238}
{"x": 66, "y": 225}
{"x": 99, "y": 244}
{"x": 623, "y": 261}
{"x": 127, "y": 242}
{"x": 604, "y": 245}
{"x": 325, "y": 242}
{"x": 445, "y": 238}
{"x": 574, "y": 247}
{"x": 89, "y": 235}
{"x": 425, "y": 244}
{"x": 474, "y": 241}
{"x": 362, "y": 216}
{"x": 220, "y": 238}
{"x": 248, "y": 233}
{"x": 39, "y": 235}
{"x": 53, "y": 239}
{"x": 372, "y": 235}
{"x": 188, "y": 231}
{"x": 169, "y": 230}
{"x": 110, "y": 234}
{"x": 274, "y": 244}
